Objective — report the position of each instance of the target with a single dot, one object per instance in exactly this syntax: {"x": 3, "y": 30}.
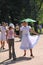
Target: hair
{"x": 24, "y": 22}
{"x": 3, "y": 23}
{"x": 10, "y": 27}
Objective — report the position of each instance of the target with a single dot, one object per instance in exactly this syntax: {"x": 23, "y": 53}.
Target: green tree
{"x": 19, "y": 9}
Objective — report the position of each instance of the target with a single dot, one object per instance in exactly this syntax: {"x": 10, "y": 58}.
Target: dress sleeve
{"x": 29, "y": 27}
{"x": 21, "y": 28}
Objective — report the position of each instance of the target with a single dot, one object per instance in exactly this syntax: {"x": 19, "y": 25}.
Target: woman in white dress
{"x": 28, "y": 41}
{"x": 3, "y": 35}
{"x": 0, "y": 33}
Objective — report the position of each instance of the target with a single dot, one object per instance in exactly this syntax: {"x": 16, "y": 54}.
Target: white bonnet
{"x": 11, "y": 25}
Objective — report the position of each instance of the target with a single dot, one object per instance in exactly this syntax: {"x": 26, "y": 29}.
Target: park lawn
{"x": 41, "y": 31}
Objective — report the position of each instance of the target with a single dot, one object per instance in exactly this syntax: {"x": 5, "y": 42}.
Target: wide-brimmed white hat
{"x": 11, "y": 25}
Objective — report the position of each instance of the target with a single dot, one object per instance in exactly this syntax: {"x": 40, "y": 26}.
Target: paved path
{"x": 37, "y": 51}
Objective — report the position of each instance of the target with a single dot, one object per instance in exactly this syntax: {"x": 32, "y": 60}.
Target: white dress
{"x": 28, "y": 41}
{"x": 0, "y": 33}
{"x": 3, "y": 33}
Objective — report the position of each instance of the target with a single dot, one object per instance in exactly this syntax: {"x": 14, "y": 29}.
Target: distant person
{"x": 21, "y": 32}
{"x": 7, "y": 26}
{"x": 3, "y": 35}
{"x": 0, "y": 33}
{"x": 17, "y": 29}
{"x": 40, "y": 28}
{"x": 36, "y": 27}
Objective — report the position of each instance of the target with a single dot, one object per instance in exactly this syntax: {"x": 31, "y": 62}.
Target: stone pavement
{"x": 37, "y": 51}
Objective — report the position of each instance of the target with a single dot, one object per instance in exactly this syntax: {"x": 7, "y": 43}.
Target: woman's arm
{"x": 15, "y": 34}
{"x": 32, "y": 31}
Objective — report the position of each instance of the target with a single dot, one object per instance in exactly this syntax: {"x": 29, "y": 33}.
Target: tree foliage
{"x": 13, "y": 10}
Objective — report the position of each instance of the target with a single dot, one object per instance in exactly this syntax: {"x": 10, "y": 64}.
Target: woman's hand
{"x": 32, "y": 31}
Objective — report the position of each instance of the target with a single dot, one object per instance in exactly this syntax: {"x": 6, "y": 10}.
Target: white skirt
{"x": 28, "y": 42}
{"x": 0, "y": 36}
{"x": 3, "y": 37}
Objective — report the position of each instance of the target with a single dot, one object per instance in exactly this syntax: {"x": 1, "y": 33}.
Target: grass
{"x": 41, "y": 31}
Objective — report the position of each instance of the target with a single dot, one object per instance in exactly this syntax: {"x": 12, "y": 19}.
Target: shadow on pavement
{"x": 1, "y": 50}
{"x": 19, "y": 59}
